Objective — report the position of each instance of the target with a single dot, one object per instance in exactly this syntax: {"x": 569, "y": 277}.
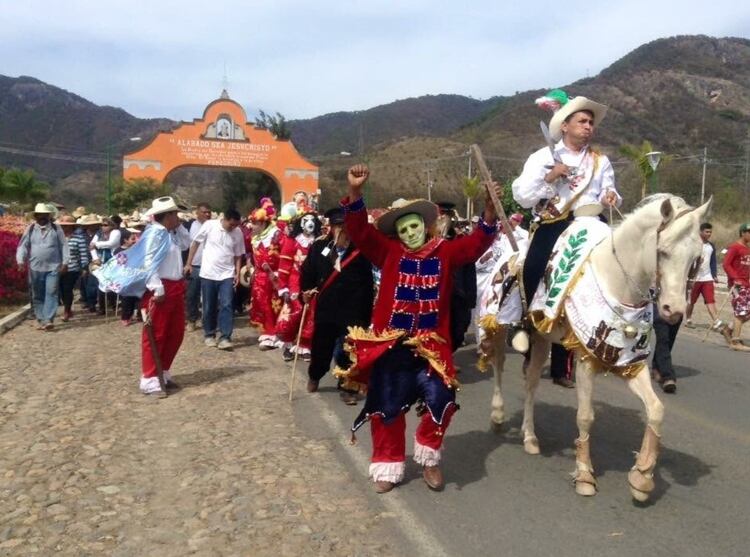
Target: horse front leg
{"x": 641, "y": 475}
{"x": 538, "y": 354}
{"x": 584, "y": 479}
{"x": 497, "y": 417}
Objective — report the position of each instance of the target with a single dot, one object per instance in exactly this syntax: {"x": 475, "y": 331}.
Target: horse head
{"x": 678, "y": 246}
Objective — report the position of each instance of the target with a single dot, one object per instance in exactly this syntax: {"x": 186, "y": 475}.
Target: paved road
{"x": 500, "y": 501}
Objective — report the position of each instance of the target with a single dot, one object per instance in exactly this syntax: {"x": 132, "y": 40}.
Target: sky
{"x": 168, "y": 58}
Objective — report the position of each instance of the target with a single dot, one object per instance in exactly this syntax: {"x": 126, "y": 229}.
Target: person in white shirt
{"x": 223, "y": 248}
{"x": 561, "y": 181}
{"x": 705, "y": 278}
{"x": 193, "y": 298}
{"x": 164, "y": 300}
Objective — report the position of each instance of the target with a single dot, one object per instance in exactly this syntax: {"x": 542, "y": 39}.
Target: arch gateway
{"x": 224, "y": 138}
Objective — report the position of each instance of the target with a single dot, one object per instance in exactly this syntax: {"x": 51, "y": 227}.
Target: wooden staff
{"x": 718, "y": 315}
{"x": 296, "y": 350}
{"x": 147, "y": 325}
{"x": 488, "y": 183}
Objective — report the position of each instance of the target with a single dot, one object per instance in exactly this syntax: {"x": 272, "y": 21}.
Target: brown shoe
{"x": 669, "y": 386}
{"x": 433, "y": 477}
{"x": 349, "y": 398}
{"x": 383, "y": 486}
{"x": 564, "y": 382}
{"x": 312, "y": 386}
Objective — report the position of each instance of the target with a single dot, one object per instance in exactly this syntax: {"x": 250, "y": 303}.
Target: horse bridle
{"x": 653, "y": 293}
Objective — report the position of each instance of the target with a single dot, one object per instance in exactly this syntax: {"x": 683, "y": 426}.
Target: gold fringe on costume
{"x": 490, "y": 328}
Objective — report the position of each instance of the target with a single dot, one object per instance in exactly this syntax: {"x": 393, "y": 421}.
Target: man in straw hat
{"x": 406, "y": 355}
{"x": 153, "y": 268}
{"x": 44, "y": 248}
{"x": 78, "y": 260}
{"x": 565, "y": 179}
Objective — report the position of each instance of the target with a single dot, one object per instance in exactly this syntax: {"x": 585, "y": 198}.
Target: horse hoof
{"x": 531, "y": 445}
{"x": 640, "y": 496}
{"x": 498, "y": 427}
{"x": 585, "y": 489}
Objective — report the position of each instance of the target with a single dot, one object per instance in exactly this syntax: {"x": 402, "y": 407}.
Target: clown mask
{"x": 411, "y": 231}
{"x": 308, "y": 224}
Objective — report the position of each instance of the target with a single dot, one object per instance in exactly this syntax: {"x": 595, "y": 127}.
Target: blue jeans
{"x": 44, "y": 294}
{"x": 193, "y": 296}
{"x": 217, "y": 299}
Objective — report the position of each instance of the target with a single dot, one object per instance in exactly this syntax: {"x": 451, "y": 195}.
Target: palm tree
{"x": 472, "y": 188}
{"x": 23, "y": 187}
{"x": 639, "y": 155}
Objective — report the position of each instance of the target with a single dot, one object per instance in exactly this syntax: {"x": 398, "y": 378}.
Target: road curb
{"x": 10, "y": 321}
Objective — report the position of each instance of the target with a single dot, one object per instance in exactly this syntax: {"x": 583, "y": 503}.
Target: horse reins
{"x": 653, "y": 294}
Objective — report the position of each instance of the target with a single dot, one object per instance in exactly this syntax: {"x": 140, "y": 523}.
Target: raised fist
{"x": 357, "y": 175}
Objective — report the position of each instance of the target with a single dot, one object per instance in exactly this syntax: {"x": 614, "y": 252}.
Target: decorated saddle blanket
{"x": 502, "y": 297}
{"x": 617, "y": 335}
{"x": 570, "y": 252}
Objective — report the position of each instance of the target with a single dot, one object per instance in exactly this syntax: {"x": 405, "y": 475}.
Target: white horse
{"x": 655, "y": 245}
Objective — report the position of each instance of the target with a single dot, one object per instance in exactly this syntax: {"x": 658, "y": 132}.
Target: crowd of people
{"x": 384, "y": 301}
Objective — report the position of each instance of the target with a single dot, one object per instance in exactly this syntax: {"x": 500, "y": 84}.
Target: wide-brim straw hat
{"x": 163, "y": 205}
{"x": 89, "y": 219}
{"x": 576, "y": 104}
{"x": 79, "y": 212}
{"x": 401, "y": 207}
{"x": 67, "y": 220}
{"x": 44, "y": 209}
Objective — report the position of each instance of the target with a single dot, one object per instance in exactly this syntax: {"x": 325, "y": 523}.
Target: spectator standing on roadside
{"x": 44, "y": 248}
{"x": 78, "y": 262}
{"x": 737, "y": 267}
{"x": 223, "y": 248}
{"x": 193, "y": 298}
{"x": 705, "y": 279}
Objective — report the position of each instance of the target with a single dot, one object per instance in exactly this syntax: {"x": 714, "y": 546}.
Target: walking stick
{"x": 718, "y": 314}
{"x": 499, "y": 211}
{"x": 147, "y": 325}
{"x": 296, "y": 350}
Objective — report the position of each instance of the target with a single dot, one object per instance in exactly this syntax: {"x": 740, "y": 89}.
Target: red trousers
{"x": 168, "y": 324}
{"x": 389, "y": 440}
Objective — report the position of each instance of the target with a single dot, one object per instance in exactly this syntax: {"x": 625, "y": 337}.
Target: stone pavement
{"x": 88, "y": 466}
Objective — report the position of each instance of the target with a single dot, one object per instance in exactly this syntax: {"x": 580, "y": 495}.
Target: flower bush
{"x": 13, "y": 281}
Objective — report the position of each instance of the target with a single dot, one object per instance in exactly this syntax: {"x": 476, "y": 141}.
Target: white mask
{"x": 308, "y": 224}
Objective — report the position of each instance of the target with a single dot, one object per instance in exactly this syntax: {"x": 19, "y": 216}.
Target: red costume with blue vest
{"x": 406, "y": 357}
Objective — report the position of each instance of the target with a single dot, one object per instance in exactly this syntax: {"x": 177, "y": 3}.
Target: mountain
{"x": 681, "y": 93}
{"x": 429, "y": 115}
{"x": 36, "y": 115}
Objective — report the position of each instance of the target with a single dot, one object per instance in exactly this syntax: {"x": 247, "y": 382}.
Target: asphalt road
{"x": 500, "y": 501}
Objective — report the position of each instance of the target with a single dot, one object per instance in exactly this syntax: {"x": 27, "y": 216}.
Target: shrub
{"x": 13, "y": 281}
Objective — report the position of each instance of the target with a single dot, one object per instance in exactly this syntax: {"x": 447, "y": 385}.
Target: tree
{"x": 277, "y": 125}
{"x": 639, "y": 155}
{"x": 243, "y": 190}
{"x": 472, "y": 188}
{"x": 22, "y": 187}
{"x": 128, "y": 195}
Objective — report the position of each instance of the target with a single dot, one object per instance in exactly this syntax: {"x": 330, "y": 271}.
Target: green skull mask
{"x": 411, "y": 231}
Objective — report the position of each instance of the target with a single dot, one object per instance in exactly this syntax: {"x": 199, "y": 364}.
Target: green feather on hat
{"x": 553, "y": 101}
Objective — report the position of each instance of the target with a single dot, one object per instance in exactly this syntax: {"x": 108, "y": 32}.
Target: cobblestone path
{"x": 88, "y": 466}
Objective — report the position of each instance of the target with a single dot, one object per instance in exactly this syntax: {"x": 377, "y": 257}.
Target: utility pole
{"x": 469, "y": 208}
{"x": 747, "y": 170}
{"x": 703, "y": 181}
{"x": 429, "y": 185}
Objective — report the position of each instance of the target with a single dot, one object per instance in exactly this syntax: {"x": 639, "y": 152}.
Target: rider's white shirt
{"x": 530, "y": 188}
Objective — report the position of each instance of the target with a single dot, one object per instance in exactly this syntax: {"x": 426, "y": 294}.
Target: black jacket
{"x": 348, "y": 299}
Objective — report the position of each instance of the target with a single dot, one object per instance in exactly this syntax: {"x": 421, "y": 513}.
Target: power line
{"x": 56, "y": 156}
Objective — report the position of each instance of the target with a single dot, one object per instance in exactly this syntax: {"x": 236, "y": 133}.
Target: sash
{"x": 552, "y": 210}
{"x": 337, "y": 270}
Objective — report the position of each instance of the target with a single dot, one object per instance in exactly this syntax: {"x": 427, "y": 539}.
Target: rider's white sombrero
{"x": 563, "y": 106}
{"x": 426, "y": 209}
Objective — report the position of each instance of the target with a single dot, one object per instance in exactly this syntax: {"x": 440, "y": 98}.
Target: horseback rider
{"x": 565, "y": 179}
